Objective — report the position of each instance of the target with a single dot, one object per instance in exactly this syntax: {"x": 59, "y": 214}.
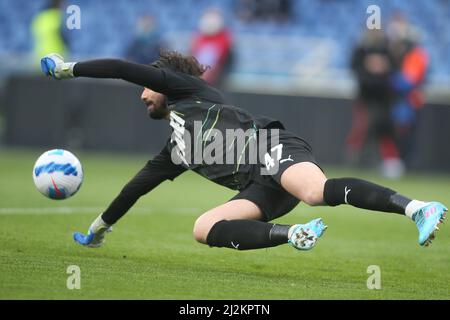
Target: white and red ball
{"x": 58, "y": 174}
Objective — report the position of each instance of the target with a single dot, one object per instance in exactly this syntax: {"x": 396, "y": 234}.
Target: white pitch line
{"x": 49, "y": 210}
{"x": 85, "y": 210}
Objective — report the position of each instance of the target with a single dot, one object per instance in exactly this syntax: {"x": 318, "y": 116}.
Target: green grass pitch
{"x": 151, "y": 253}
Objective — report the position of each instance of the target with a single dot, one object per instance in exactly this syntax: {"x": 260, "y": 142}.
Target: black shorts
{"x": 266, "y": 190}
{"x": 273, "y": 202}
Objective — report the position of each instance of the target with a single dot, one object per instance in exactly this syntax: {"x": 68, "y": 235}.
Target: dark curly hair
{"x": 180, "y": 63}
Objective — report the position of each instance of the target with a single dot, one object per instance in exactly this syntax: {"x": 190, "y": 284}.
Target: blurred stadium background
{"x": 293, "y": 65}
{"x": 290, "y": 60}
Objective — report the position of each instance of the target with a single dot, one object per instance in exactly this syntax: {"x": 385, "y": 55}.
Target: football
{"x": 58, "y": 174}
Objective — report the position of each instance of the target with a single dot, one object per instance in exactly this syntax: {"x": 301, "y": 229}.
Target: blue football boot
{"x": 427, "y": 219}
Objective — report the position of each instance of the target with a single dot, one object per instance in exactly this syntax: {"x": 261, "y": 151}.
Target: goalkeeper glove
{"x": 53, "y": 65}
{"x": 96, "y": 234}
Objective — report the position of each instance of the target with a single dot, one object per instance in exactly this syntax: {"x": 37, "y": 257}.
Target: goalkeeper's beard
{"x": 159, "y": 113}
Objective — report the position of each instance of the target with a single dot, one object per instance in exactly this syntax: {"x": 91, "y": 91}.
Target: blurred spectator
{"x": 264, "y": 10}
{"x": 213, "y": 46}
{"x": 147, "y": 43}
{"x": 47, "y": 29}
{"x": 411, "y": 67}
{"x": 373, "y": 65}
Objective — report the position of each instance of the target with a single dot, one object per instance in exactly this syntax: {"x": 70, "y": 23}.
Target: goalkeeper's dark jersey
{"x": 190, "y": 99}
{"x": 196, "y": 125}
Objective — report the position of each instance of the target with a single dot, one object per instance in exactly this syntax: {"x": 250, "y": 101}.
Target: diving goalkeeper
{"x": 174, "y": 91}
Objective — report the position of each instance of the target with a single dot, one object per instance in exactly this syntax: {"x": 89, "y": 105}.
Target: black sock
{"x": 247, "y": 234}
{"x": 363, "y": 194}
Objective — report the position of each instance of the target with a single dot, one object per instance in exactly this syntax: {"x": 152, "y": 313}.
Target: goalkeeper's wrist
{"x": 65, "y": 70}
{"x": 98, "y": 225}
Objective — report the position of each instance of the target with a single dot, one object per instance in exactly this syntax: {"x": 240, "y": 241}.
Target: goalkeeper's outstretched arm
{"x": 156, "y": 171}
{"x": 147, "y": 76}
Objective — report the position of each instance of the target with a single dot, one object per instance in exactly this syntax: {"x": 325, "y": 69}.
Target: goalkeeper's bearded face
{"x": 156, "y": 104}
